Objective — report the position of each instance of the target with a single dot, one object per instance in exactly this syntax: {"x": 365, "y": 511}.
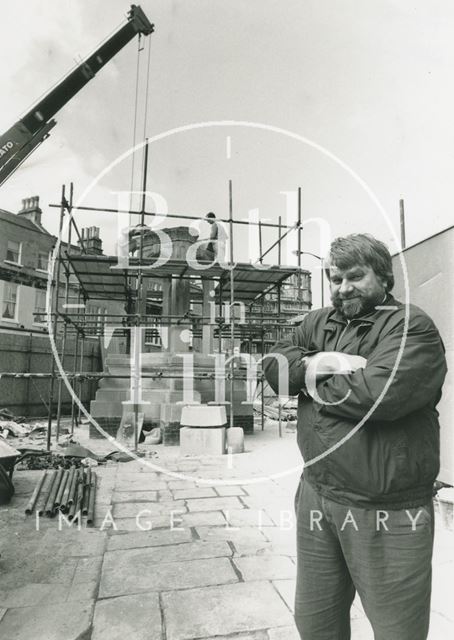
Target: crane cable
{"x": 136, "y": 102}
{"x": 145, "y": 117}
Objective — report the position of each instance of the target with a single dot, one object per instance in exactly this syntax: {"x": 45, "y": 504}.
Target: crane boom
{"x": 30, "y": 131}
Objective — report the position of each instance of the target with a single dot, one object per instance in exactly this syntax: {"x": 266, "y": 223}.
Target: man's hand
{"x": 324, "y": 364}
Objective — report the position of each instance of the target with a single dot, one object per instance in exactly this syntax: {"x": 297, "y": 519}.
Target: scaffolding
{"x": 94, "y": 279}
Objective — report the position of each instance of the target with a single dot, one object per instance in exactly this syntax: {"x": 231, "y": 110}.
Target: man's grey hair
{"x": 362, "y": 249}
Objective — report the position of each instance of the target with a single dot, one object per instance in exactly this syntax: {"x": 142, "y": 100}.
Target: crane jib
{"x": 24, "y": 136}
{"x": 6, "y": 147}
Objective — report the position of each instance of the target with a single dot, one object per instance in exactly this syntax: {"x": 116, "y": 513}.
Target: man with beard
{"x": 369, "y": 372}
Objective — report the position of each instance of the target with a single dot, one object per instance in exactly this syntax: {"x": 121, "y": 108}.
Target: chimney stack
{"x": 31, "y": 210}
{"x": 92, "y": 241}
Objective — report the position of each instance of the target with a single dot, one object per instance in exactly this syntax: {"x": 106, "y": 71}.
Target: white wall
{"x": 430, "y": 267}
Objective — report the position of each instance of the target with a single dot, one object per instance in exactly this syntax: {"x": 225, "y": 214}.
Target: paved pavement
{"x": 202, "y": 550}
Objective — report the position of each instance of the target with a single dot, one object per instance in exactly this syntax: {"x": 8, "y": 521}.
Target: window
{"x": 40, "y": 307}
{"x": 9, "y": 305}
{"x": 43, "y": 261}
{"x": 152, "y": 334}
{"x": 13, "y": 251}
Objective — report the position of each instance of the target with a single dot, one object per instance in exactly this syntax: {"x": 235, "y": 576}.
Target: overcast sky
{"x": 370, "y": 82}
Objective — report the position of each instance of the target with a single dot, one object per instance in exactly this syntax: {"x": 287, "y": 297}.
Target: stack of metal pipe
{"x": 70, "y": 491}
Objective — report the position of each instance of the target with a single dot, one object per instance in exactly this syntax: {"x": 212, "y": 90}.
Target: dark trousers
{"x": 343, "y": 550}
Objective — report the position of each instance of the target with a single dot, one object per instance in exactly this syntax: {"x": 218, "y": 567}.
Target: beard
{"x": 358, "y": 304}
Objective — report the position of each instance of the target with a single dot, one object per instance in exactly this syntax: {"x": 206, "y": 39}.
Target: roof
{"x": 20, "y": 221}
{"x": 102, "y": 278}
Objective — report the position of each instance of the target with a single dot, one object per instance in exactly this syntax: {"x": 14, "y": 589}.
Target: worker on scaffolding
{"x": 216, "y": 247}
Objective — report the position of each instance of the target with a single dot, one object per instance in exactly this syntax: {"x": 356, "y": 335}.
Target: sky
{"x": 349, "y": 101}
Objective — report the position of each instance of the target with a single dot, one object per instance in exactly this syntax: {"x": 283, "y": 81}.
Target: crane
{"x": 33, "y": 128}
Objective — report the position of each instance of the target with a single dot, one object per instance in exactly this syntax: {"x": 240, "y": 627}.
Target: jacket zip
{"x": 341, "y": 335}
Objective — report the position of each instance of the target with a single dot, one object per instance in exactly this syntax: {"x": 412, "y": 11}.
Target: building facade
{"x": 288, "y": 306}
{"x": 26, "y": 249}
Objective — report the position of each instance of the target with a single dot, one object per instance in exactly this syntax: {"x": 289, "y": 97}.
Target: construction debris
{"x": 277, "y": 409}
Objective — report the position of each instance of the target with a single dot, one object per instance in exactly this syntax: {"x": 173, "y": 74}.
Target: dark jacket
{"x": 392, "y": 460}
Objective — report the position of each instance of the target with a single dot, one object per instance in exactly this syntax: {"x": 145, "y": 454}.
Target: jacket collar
{"x": 367, "y": 319}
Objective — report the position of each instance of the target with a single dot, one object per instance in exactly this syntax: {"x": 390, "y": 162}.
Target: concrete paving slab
{"x": 140, "y": 539}
{"x": 73, "y": 543}
{"x": 265, "y": 490}
{"x": 135, "y": 496}
{"x": 279, "y": 510}
{"x": 196, "y": 492}
{"x": 165, "y": 495}
{"x": 277, "y": 500}
{"x": 286, "y": 589}
{"x": 361, "y": 629}
{"x": 247, "y": 518}
{"x": 141, "y": 483}
{"x": 134, "y": 467}
{"x": 187, "y": 466}
{"x": 442, "y": 590}
{"x": 281, "y": 515}
{"x": 31, "y": 594}
{"x": 127, "y": 575}
{"x": 440, "y": 628}
{"x": 443, "y": 546}
{"x": 133, "y": 473}
{"x": 67, "y": 621}
{"x": 181, "y": 484}
{"x": 202, "y": 518}
{"x": 283, "y": 540}
{"x": 253, "y": 635}
{"x": 242, "y": 535}
{"x": 357, "y": 610}
{"x": 144, "y": 522}
{"x": 137, "y": 617}
{"x": 284, "y": 633}
{"x": 83, "y": 591}
{"x": 265, "y": 567}
{"x": 223, "y": 610}
{"x": 225, "y": 490}
{"x": 146, "y": 558}
{"x": 87, "y": 569}
{"x": 19, "y": 569}
{"x": 214, "y": 504}
{"x": 133, "y": 509}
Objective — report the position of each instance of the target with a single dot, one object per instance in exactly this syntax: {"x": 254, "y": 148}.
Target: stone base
{"x": 243, "y": 421}
{"x": 111, "y": 426}
{"x": 170, "y": 431}
{"x": 235, "y": 440}
{"x": 197, "y": 442}
{"x": 171, "y": 434}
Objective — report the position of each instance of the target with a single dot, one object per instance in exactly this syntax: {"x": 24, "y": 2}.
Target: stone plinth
{"x": 199, "y": 442}
{"x": 203, "y": 415}
{"x": 108, "y": 407}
